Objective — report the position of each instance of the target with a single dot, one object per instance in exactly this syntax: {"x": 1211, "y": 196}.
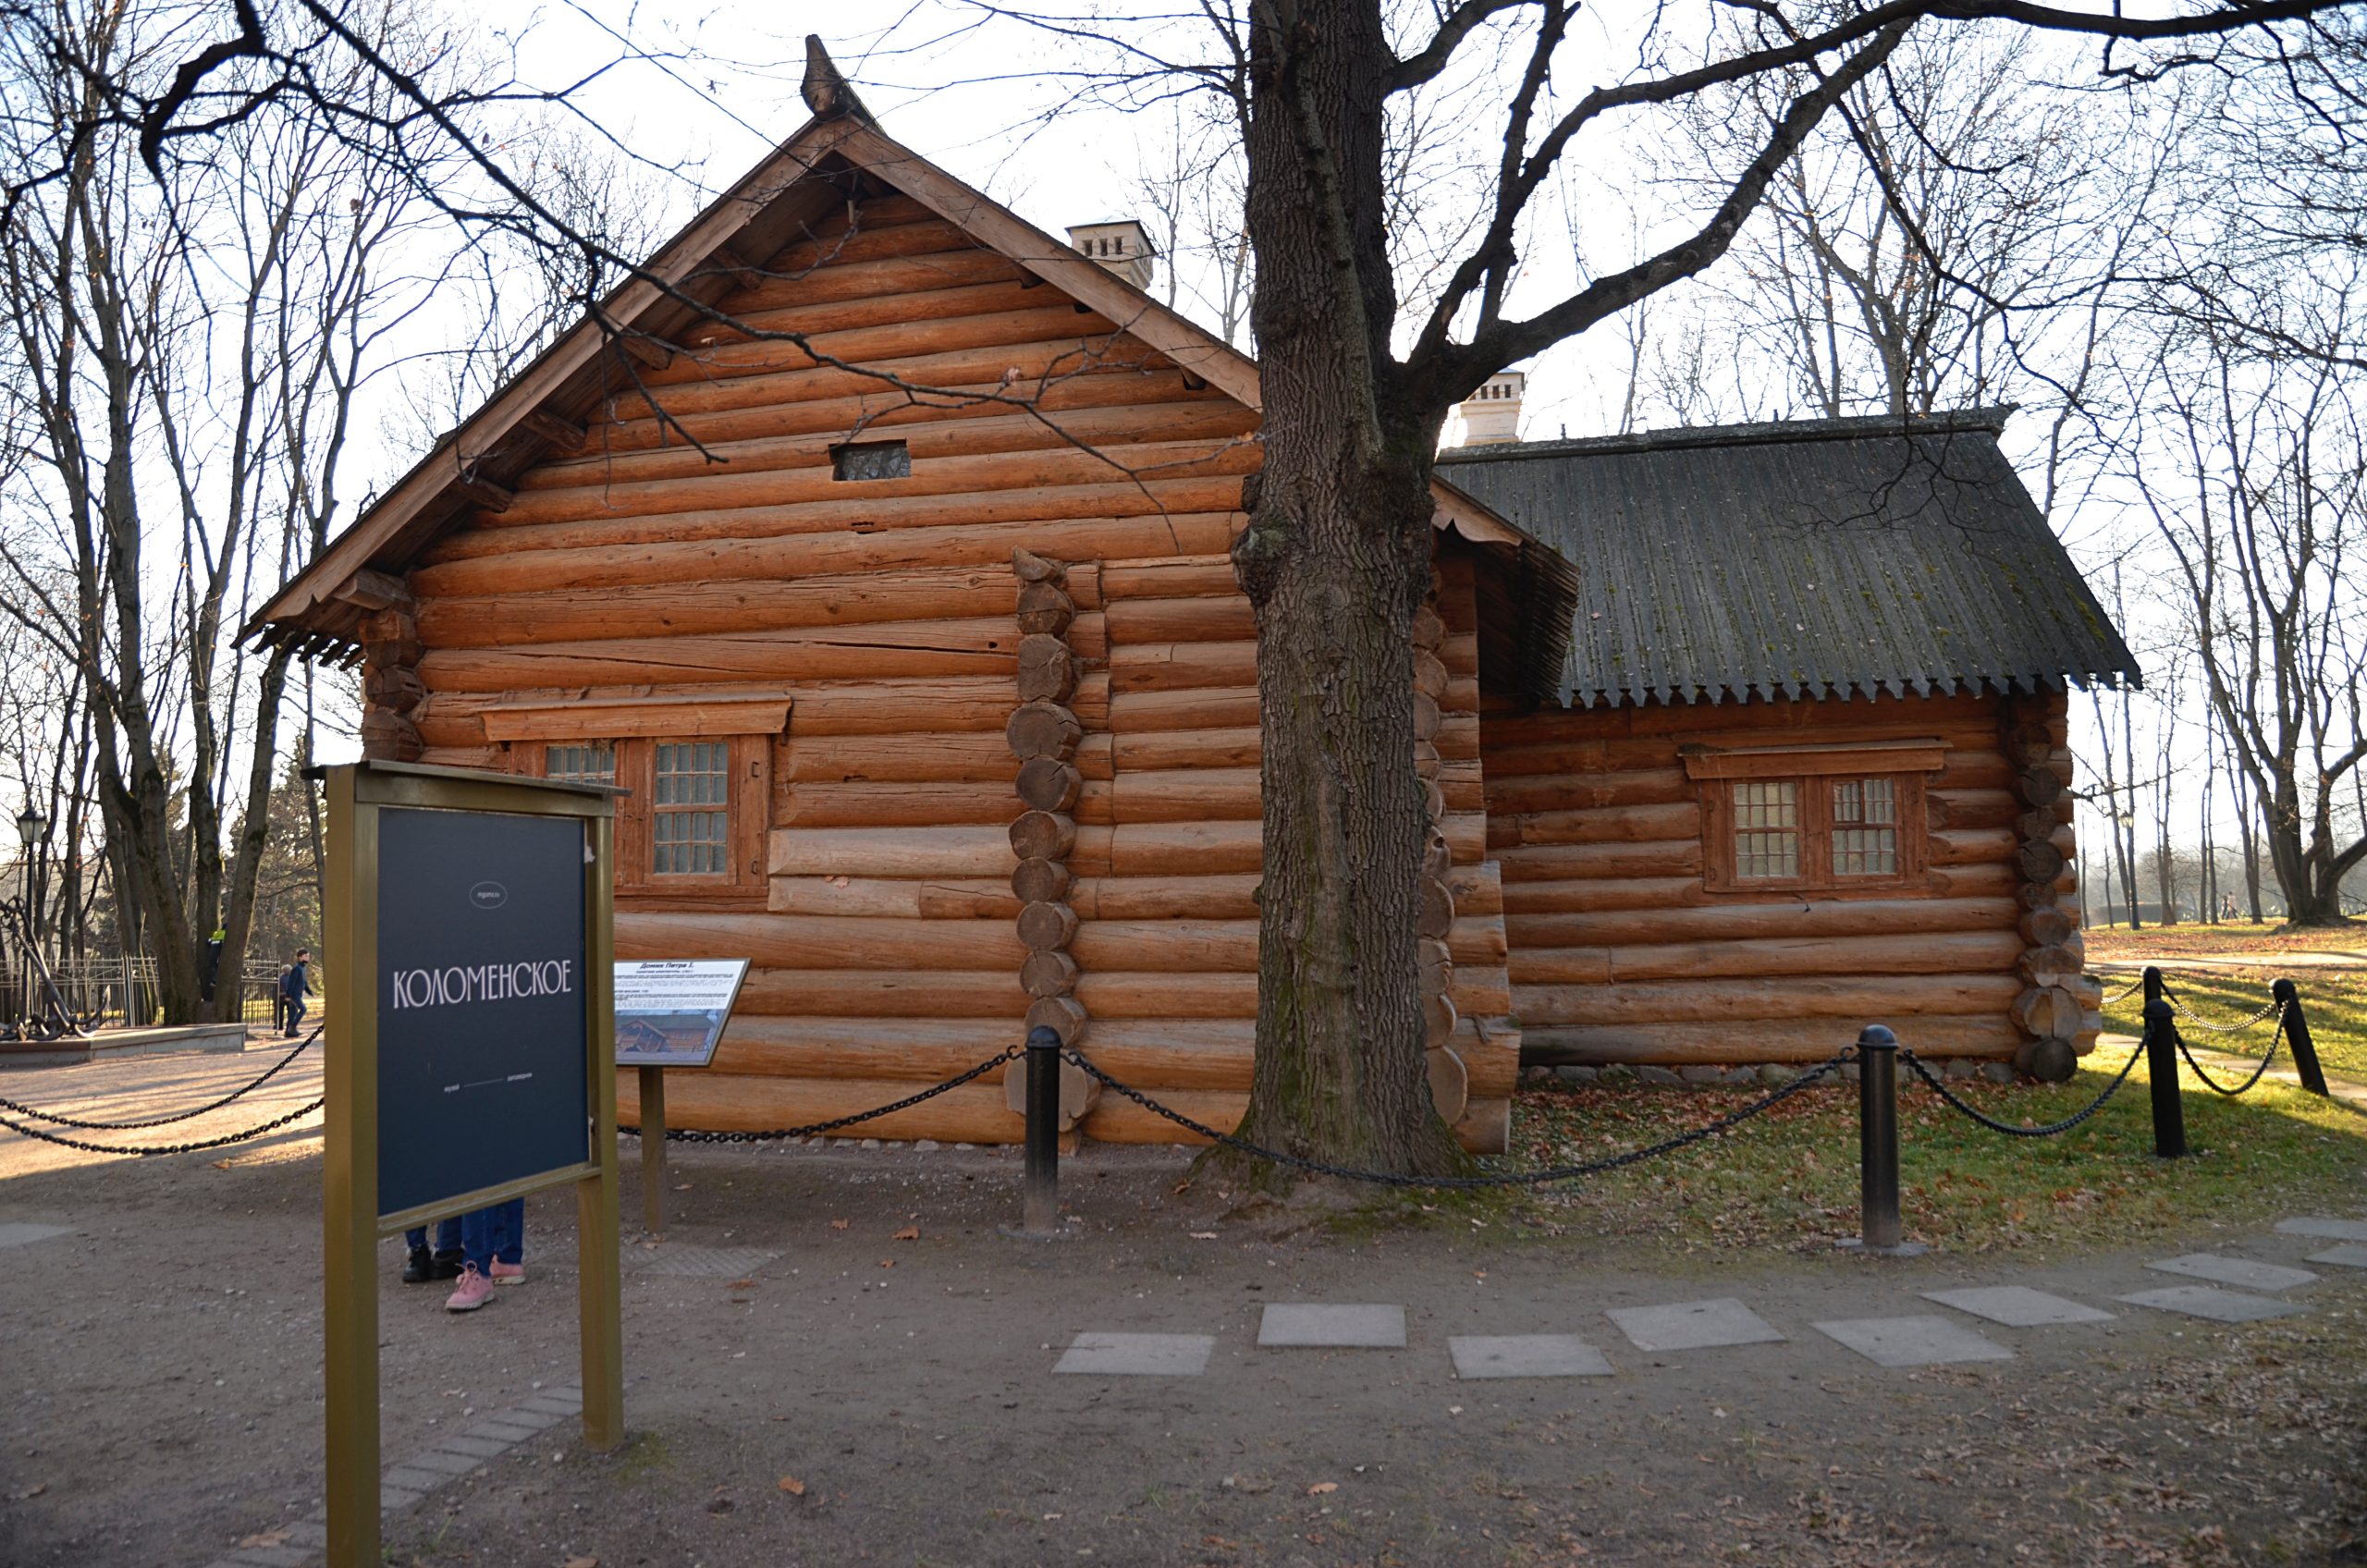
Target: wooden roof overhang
{"x": 544, "y": 407}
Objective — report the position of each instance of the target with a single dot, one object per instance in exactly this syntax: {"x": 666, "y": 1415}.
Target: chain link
{"x": 680, "y": 1135}
{"x": 2050, "y": 1129}
{"x": 302, "y": 1110}
{"x": 2133, "y": 988}
{"x": 56, "y": 1120}
{"x": 2274, "y": 1006}
{"x": 1465, "y": 1183}
{"x": 2213, "y": 1085}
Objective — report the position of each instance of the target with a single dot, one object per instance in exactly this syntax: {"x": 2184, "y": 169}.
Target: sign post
{"x": 469, "y": 943}
{"x": 670, "y": 1012}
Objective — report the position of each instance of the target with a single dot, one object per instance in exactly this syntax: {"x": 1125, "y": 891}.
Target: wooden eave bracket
{"x": 1816, "y": 759}
{"x": 371, "y": 590}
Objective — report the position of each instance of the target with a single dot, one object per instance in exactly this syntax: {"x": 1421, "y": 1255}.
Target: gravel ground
{"x": 860, "y": 1397}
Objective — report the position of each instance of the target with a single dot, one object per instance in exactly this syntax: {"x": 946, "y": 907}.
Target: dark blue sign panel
{"x": 483, "y": 1008}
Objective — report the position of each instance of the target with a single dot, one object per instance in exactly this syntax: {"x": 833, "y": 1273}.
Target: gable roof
{"x": 1811, "y": 558}
{"x": 321, "y": 609}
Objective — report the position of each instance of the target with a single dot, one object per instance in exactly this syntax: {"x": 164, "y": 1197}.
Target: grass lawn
{"x": 1789, "y": 1178}
{"x": 2335, "y": 1002}
{"x": 2189, "y": 939}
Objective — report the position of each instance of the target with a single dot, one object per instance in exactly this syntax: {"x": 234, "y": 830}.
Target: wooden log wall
{"x": 392, "y": 689}
{"x": 889, "y": 953}
{"x": 1621, "y": 954}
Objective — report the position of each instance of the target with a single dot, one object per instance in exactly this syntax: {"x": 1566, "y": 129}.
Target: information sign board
{"x": 670, "y": 1012}
{"x": 481, "y": 1002}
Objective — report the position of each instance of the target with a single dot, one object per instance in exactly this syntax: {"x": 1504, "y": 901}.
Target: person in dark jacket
{"x": 294, "y": 986}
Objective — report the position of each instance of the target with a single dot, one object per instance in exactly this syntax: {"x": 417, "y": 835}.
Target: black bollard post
{"x": 2296, "y": 1035}
{"x": 1041, "y": 1201}
{"x": 2162, "y": 1070}
{"x": 1878, "y": 1135}
{"x": 1878, "y": 1226}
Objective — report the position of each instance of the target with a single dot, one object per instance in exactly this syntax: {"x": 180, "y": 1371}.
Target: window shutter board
{"x": 1865, "y": 758}
{"x": 721, "y": 717}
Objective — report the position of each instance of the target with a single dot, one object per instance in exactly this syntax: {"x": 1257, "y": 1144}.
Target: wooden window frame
{"x": 1814, "y": 769}
{"x": 744, "y": 882}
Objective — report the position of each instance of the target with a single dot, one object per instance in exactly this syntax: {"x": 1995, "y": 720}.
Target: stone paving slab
{"x": 2235, "y": 1271}
{"x": 481, "y": 1447}
{"x": 17, "y": 1233}
{"x": 444, "y": 1462}
{"x": 2350, "y": 1255}
{"x": 1913, "y": 1342}
{"x": 2333, "y": 1229}
{"x": 698, "y": 1263}
{"x": 1295, "y": 1325}
{"x": 2219, "y": 1306}
{"x": 1527, "y": 1355}
{"x": 1695, "y": 1324}
{"x": 2019, "y": 1307}
{"x": 1138, "y": 1355}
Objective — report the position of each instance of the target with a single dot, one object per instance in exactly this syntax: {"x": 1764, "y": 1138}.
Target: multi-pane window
{"x": 690, "y": 815}
{"x": 1807, "y": 830}
{"x": 1766, "y": 829}
{"x": 871, "y": 460}
{"x": 690, "y": 822}
{"x": 1865, "y": 827}
{"x": 592, "y": 764}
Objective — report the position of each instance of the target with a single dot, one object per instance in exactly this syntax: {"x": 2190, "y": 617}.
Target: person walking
{"x": 493, "y": 1249}
{"x": 294, "y": 986}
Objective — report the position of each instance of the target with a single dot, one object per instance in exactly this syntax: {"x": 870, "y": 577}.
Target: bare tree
{"x": 2274, "y": 508}
{"x": 184, "y": 354}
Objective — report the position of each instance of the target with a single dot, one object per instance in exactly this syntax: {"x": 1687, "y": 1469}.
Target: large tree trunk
{"x": 1335, "y": 560}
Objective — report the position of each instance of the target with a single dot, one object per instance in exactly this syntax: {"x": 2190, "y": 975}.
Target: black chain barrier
{"x": 1465, "y": 1183}
{"x": 2134, "y": 987}
{"x": 818, "y": 1129}
{"x": 2050, "y": 1129}
{"x": 56, "y": 1120}
{"x": 2273, "y": 1006}
{"x": 2259, "y": 1069}
{"x": 302, "y": 1110}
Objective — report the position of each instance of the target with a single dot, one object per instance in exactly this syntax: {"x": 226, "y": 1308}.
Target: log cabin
{"x": 875, "y": 541}
{"x": 1810, "y": 762}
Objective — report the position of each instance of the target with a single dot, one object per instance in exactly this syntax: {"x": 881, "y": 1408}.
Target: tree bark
{"x": 1335, "y": 562}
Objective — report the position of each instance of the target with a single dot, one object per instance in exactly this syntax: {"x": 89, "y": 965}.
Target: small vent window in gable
{"x": 871, "y": 460}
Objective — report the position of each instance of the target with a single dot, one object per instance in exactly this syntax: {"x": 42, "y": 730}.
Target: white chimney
{"x": 1118, "y": 246}
{"x": 1491, "y": 415}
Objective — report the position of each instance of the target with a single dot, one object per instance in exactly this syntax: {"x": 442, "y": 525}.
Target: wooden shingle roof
{"x": 1806, "y": 558}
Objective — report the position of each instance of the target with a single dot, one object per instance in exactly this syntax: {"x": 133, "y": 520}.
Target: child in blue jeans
{"x": 493, "y": 1247}
{"x": 444, "y": 1263}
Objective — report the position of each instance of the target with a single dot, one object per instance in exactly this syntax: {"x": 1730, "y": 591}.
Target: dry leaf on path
{"x": 792, "y": 1486}
{"x": 740, "y": 1285}
{"x": 267, "y": 1537}
{"x": 1322, "y": 1489}
{"x": 887, "y": 1263}
{"x": 909, "y": 1233}
{"x": 837, "y": 1224}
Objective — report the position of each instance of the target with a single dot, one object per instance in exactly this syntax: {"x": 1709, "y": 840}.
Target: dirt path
{"x": 164, "y": 1364}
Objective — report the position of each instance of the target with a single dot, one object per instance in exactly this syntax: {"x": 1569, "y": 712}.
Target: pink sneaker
{"x": 474, "y": 1291}
{"x": 509, "y": 1273}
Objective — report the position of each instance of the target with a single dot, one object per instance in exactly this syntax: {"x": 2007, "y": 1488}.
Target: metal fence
{"x": 122, "y": 990}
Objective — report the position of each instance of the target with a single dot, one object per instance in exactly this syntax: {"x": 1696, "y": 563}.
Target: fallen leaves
{"x": 1323, "y": 1488}
{"x": 792, "y": 1486}
{"x": 837, "y": 1224}
{"x": 887, "y": 1263}
{"x": 266, "y": 1538}
{"x": 909, "y": 1233}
